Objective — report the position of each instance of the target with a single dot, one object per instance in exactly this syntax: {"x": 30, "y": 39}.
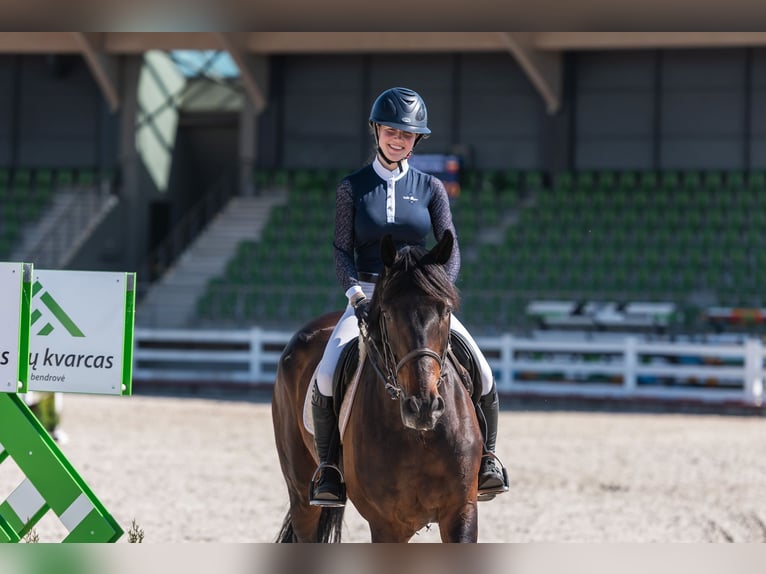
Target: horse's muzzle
{"x": 420, "y": 414}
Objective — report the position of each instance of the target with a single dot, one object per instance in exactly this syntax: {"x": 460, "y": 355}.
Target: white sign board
{"x": 14, "y": 318}
{"x": 81, "y": 337}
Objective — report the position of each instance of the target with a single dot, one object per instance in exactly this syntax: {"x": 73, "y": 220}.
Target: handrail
{"x": 186, "y": 230}
{"x": 62, "y": 233}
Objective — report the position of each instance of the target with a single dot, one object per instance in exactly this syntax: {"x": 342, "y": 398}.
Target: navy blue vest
{"x": 412, "y": 220}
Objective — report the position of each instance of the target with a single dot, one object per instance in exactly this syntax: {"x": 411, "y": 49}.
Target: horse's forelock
{"x": 415, "y": 269}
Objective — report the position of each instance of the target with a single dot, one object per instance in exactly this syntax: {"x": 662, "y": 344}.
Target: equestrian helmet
{"x": 401, "y": 108}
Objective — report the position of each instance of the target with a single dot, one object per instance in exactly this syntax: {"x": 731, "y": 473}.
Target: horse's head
{"x": 410, "y": 326}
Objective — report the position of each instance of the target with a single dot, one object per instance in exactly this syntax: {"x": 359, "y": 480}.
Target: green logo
{"x": 56, "y": 310}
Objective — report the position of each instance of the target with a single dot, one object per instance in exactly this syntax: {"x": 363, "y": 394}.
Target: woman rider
{"x": 389, "y": 196}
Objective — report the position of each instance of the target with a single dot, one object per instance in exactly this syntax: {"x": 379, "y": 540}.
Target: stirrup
{"x": 487, "y": 494}
{"x": 342, "y": 488}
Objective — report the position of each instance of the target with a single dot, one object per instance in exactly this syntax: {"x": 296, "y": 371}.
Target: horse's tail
{"x": 286, "y": 533}
{"x": 329, "y": 528}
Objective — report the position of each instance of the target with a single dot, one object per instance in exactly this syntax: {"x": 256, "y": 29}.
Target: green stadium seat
{"x": 533, "y": 179}
{"x": 563, "y": 180}
{"x": 22, "y": 178}
{"x": 64, "y": 177}
{"x": 757, "y": 180}
{"x": 86, "y": 177}
{"x": 648, "y": 180}
{"x": 627, "y": 180}
{"x": 511, "y": 179}
{"x": 606, "y": 179}
{"x": 43, "y": 178}
{"x": 714, "y": 181}
{"x": 735, "y": 180}
{"x": 670, "y": 180}
{"x": 585, "y": 179}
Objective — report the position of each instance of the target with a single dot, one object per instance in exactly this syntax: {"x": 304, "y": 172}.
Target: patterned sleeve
{"x": 343, "y": 245}
{"x": 441, "y": 220}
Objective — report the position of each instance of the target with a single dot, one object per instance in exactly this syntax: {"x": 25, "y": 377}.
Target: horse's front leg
{"x": 390, "y": 533}
{"x": 462, "y": 525}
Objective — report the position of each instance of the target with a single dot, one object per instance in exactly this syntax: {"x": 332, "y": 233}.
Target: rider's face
{"x": 396, "y": 144}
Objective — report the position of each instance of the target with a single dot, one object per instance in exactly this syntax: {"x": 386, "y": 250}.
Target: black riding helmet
{"x": 402, "y": 109}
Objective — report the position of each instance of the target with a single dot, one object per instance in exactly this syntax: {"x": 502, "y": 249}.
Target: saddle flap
{"x": 462, "y": 355}
{"x": 344, "y": 372}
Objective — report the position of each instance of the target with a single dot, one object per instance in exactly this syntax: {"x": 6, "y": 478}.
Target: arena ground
{"x": 188, "y": 468}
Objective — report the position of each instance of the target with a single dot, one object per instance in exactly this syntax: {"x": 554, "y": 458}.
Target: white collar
{"x": 386, "y": 174}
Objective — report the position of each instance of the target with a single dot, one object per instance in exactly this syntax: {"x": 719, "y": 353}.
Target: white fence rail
{"x": 626, "y": 368}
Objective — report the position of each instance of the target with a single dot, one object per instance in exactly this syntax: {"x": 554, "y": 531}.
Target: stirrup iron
{"x": 490, "y": 493}
{"x": 313, "y": 484}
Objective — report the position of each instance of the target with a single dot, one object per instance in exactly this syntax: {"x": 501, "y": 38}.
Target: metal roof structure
{"x": 539, "y": 54}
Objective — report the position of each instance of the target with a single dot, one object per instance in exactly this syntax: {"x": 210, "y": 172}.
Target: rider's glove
{"x": 361, "y": 309}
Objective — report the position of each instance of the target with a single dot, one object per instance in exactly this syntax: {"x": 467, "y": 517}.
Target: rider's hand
{"x": 361, "y": 309}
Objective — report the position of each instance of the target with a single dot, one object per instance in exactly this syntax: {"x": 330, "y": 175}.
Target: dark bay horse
{"x": 408, "y": 462}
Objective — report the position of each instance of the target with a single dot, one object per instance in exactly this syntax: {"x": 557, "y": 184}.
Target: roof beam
{"x": 542, "y": 68}
{"x": 235, "y": 44}
{"x": 371, "y": 42}
{"x": 101, "y": 65}
{"x": 645, "y": 40}
{"x": 37, "y": 43}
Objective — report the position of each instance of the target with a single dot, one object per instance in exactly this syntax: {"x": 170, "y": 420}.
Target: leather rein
{"x": 385, "y": 364}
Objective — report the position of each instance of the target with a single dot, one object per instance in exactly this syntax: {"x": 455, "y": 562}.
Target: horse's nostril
{"x": 413, "y": 404}
{"x": 438, "y": 405}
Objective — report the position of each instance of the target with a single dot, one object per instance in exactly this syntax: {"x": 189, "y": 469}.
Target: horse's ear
{"x": 388, "y": 250}
{"x": 442, "y": 250}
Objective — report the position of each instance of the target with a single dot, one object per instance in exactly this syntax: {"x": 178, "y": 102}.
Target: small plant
{"x": 135, "y": 534}
{"x": 31, "y": 537}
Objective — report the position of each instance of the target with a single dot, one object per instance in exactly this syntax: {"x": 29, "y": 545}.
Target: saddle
{"x": 344, "y": 373}
{"x": 459, "y": 355}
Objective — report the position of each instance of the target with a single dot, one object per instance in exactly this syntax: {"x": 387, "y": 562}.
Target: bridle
{"x": 384, "y": 361}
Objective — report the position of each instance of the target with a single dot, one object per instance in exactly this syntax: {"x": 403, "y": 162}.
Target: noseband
{"x": 387, "y": 367}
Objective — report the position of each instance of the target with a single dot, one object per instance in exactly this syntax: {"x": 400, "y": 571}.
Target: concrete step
{"x": 171, "y": 301}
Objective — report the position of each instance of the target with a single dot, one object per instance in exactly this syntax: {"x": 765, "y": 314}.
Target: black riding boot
{"x": 493, "y": 478}
{"x": 329, "y": 490}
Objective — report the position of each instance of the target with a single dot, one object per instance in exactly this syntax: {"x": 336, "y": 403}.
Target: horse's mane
{"x": 415, "y": 271}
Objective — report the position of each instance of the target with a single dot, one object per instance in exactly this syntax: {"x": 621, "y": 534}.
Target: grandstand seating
{"x": 26, "y": 191}
{"x": 289, "y": 277}
{"x": 694, "y": 238}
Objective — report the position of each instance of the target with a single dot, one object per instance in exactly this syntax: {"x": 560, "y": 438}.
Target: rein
{"x": 391, "y": 367}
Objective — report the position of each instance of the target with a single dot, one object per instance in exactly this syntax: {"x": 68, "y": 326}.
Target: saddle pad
{"x": 348, "y": 398}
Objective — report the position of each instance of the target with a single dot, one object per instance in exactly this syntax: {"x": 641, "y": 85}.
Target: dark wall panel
{"x": 60, "y": 113}
{"x": 703, "y": 109}
{"x": 480, "y": 102}
{"x": 501, "y": 116}
{"x": 614, "y": 110}
{"x": 322, "y": 111}
{"x": 758, "y": 110}
{"x": 7, "y": 87}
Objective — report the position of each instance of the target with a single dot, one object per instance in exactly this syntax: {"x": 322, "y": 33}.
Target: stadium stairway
{"x": 53, "y": 240}
{"x": 171, "y": 301}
